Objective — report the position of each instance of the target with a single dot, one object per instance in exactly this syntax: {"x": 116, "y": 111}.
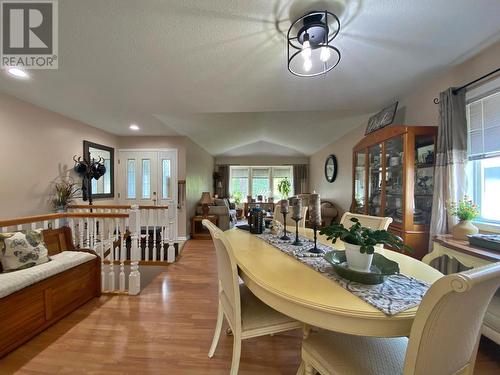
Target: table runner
{"x": 398, "y": 293}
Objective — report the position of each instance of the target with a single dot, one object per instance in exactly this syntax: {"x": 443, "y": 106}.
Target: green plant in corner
{"x": 285, "y": 187}
{"x": 364, "y": 237}
{"x": 65, "y": 192}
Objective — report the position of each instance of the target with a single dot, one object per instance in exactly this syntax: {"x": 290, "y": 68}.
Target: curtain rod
{"x": 457, "y": 90}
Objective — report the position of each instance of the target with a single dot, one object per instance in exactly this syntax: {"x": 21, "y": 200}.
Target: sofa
{"x": 225, "y": 212}
{"x": 34, "y": 298}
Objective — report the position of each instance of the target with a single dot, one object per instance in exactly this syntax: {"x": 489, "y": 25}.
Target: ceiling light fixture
{"x": 311, "y": 36}
{"x": 134, "y": 127}
{"x": 18, "y": 73}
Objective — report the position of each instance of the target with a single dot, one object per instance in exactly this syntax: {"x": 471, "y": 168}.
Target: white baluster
{"x": 33, "y": 226}
{"x": 155, "y": 223}
{"x": 123, "y": 252}
{"x": 163, "y": 234}
{"x": 45, "y": 224}
{"x": 171, "y": 248}
{"x": 19, "y": 227}
{"x": 134, "y": 278}
{"x": 87, "y": 226}
{"x": 112, "y": 255}
{"x": 71, "y": 223}
{"x": 102, "y": 249}
{"x": 146, "y": 213}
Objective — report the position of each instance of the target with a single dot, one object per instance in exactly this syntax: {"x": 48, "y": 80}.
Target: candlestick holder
{"x": 297, "y": 241}
{"x": 284, "y": 237}
{"x": 315, "y": 249}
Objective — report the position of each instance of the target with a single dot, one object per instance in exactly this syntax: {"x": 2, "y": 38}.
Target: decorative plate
{"x": 380, "y": 269}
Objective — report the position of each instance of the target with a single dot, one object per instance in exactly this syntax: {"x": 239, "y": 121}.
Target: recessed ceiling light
{"x": 134, "y": 127}
{"x": 18, "y": 73}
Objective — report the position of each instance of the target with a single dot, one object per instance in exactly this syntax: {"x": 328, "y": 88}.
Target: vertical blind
{"x": 483, "y": 121}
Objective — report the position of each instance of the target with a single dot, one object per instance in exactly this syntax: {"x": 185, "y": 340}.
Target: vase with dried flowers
{"x": 65, "y": 192}
{"x": 466, "y": 211}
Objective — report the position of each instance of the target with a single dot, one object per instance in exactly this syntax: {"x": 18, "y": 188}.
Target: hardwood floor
{"x": 167, "y": 329}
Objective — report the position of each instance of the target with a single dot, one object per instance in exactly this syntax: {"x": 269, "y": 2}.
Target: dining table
{"x": 299, "y": 291}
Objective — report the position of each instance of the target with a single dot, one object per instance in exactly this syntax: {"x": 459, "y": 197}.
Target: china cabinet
{"x": 393, "y": 175}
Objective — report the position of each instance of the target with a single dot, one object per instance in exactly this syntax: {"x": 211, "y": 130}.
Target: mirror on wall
{"x": 104, "y": 186}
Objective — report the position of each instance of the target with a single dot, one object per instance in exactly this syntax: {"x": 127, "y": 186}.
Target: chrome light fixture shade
{"x": 309, "y": 44}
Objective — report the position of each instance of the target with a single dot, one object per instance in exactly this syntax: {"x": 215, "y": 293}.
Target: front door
{"x": 149, "y": 178}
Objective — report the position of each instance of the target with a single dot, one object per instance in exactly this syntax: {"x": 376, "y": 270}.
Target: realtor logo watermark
{"x": 29, "y": 34}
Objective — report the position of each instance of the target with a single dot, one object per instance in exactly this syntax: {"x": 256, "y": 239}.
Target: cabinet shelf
{"x": 408, "y": 146}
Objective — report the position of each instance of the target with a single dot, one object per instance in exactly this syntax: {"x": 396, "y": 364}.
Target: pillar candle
{"x": 297, "y": 209}
{"x": 315, "y": 209}
{"x": 284, "y": 206}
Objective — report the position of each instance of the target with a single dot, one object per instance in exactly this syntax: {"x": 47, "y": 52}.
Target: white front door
{"x": 149, "y": 178}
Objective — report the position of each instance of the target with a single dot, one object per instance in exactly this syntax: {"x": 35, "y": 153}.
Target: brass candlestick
{"x": 297, "y": 241}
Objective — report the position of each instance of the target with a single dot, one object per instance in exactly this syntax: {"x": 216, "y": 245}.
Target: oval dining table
{"x": 297, "y": 290}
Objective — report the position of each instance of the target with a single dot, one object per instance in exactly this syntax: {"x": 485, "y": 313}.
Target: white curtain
{"x": 451, "y": 159}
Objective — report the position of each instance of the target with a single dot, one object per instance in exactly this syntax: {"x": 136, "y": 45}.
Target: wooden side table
{"x": 198, "y": 231}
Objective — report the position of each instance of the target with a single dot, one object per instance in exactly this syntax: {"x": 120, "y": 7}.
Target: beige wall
{"x": 340, "y": 190}
{"x": 416, "y": 108}
{"x": 37, "y": 148}
{"x": 199, "y": 172}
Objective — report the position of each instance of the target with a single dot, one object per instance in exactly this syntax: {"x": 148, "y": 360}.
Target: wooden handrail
{"x": 114, "y": 207}
{"x": 39, "y": 218}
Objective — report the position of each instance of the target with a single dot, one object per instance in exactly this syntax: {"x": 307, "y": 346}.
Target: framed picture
{"x": 331, "y": 168}
{"x": 383, "y": 118}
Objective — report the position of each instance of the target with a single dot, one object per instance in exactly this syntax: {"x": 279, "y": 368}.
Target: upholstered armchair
{"x": 225, "y": 212}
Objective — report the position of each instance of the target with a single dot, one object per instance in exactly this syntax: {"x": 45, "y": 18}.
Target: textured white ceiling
{"x": 216, "y": 70}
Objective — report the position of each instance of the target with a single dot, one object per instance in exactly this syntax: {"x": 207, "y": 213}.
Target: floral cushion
{"x": 23, "y": 249}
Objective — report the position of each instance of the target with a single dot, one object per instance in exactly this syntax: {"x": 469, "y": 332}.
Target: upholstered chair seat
{"x": 354, "y": 354}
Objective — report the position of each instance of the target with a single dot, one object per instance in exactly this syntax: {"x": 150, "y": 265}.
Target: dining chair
{"x": 443, "y": 340}
{"x": 373, "y": 222}
{"x": 246, "y": 315}
{"x": 278, "y": 216}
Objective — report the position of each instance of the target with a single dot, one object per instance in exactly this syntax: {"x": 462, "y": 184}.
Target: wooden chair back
{"x": 58, "y": 240}
{"x": 278, "y": 216}
{"x": 372, "y": 222}
{"x": 227, "y": 271}
{"x": 445, "y": 334}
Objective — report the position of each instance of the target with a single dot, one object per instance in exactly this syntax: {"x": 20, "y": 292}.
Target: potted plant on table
{"x": 360, "y": 242}
{"x": 466, "y": 211}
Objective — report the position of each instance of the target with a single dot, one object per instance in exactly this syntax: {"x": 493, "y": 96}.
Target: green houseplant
{"x": 466, "y": 211}
{"x": 360, "y": 242}
{"x": 65, "y": 192}
{"x": 285, "y": 187}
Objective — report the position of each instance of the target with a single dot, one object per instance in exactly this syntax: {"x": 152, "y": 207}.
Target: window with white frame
{"x": 257, "y": 181}
{"x": 483, "y": 136}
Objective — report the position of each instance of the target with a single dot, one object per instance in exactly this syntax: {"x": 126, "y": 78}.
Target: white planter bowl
{"x": 356, "y": 260}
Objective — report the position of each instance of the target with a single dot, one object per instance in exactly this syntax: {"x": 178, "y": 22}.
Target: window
{"x": 146, "y": 179}
{"x": 256, "y": 181}
{"x": 131, "y": 179}
{"x": 165, "y": 172}
{"x": 239, "y": 181}
{"x": 483, "y": 136}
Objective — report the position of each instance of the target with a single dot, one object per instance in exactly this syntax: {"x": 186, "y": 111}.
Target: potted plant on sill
{"x": 466, "y": 211}
{"x": 360, "y": 242}
{"x": 285, "y": 187}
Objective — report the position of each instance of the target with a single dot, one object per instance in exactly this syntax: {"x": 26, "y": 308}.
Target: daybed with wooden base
{"x": 34, "y": 298}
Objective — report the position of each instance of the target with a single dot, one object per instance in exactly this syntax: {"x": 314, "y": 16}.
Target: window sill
{"x": 487, "y": 227}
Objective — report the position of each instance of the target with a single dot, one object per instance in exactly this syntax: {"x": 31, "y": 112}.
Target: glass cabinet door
{"x": 394, "y": 179}
{"x": 375, "y": 180}
{"x": 424, "y": 178}
{"x": 359, "y": 183}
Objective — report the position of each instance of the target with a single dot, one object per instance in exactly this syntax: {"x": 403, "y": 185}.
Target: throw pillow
{"x": 23, "y": 249}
